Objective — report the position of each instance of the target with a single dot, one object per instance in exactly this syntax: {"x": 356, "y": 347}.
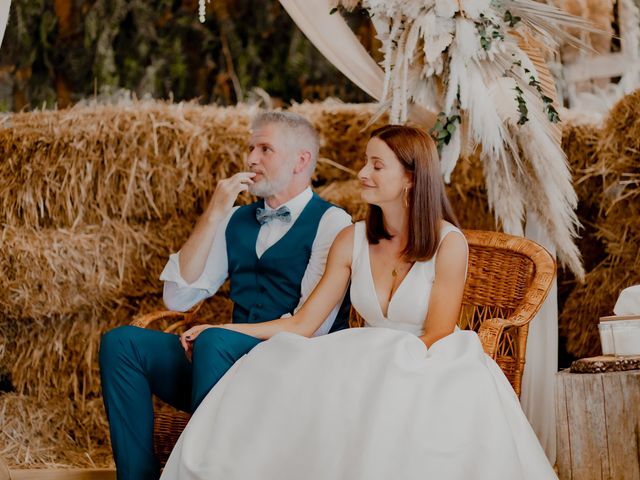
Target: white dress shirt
{"x": 180, "y": 296}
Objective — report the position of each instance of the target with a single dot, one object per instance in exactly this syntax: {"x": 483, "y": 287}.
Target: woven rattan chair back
{"x": 507, "y": 281}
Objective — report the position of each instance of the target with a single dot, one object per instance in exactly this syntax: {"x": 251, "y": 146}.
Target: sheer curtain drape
{"x": 332, "y": 36}
{"x": 4, "y": 17}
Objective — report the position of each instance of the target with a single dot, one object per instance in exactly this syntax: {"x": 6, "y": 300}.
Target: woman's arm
{"x": 329, "y": 291}
{"x": 447, "y": 289}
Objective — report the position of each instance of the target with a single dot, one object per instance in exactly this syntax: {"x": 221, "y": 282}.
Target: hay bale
{"x": 146, "y": 161}
{"x": 620, "y": 156}
{"x": 57, "y": 271}
{"x": 343, "y": 132}
{"x": 56, "y": 417}
{"x": 55, "y": 433}
{"x": 63, "y": 349}
{"x": 580, "y": 142}
{"x": 617, "y": 228}
{"x": 468, "y": 195}
{"x": 589, "y": 301}
{"x": 346, "y": 194}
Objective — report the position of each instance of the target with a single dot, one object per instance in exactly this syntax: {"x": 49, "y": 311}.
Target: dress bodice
{"x": 409, "y": 304}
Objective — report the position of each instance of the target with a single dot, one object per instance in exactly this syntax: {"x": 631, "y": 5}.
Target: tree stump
{"x": 598, "y": 425}
{"x": 605, "y": 363}
{"x": 4, "y": 471}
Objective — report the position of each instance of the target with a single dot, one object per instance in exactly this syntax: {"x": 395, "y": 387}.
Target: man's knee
{"x": 221, "y": 343}
{"x": 210, "y": 340}
{"x": 116, "y": 342}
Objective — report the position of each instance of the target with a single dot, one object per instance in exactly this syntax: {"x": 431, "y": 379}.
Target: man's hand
{"x": 194, "y": 253}
{"x": 228, "y": 190}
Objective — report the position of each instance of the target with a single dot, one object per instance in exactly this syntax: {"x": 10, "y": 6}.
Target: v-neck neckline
{"x": 373, "y": 284}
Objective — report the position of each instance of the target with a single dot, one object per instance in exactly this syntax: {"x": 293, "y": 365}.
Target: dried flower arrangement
{"x": 481, "y": 65}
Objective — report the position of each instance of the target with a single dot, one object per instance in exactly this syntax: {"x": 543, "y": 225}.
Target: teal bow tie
{"x": 264, "y": 216}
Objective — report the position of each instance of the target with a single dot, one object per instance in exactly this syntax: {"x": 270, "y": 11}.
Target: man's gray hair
{"x": 300, "y": 129}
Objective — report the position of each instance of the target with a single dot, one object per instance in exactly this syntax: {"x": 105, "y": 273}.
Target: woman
{"x": 413, "y": 398}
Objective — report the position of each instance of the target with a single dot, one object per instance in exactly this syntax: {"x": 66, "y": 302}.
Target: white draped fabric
{"x": 364, "y": 403}
{"x": 538, "y": 381}
{"x": 4, "y": 17}
{"x": 332, "y": 36}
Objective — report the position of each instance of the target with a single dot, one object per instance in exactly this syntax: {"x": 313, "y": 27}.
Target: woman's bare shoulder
{"x": 452, "y": 253}
{"x": 345, "y": 237}
{"x": 342, "y": 247}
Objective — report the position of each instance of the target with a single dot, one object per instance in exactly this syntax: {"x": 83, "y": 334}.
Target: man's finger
{"x": 244, "y": 176}
{"x": 245, "y": 181}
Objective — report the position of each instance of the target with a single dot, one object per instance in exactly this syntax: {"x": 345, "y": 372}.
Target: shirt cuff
{"x": 171, "y": 273}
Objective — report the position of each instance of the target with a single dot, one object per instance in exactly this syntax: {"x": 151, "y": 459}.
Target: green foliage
{"x": 513, "y": 20}
{"x": 523, "y": 110}
{"x": 444, "y": 128}
{"x": 488, "y": 31}
{"x": 159, "y": 48}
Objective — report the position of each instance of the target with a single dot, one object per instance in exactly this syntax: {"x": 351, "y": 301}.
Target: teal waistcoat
{"x": 266, "y": 288}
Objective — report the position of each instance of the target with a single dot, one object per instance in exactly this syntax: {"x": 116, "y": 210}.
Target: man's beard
{"x": 269, "y": 187}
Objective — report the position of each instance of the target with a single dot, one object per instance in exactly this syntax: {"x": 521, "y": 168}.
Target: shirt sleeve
{"x": 178, "y": 294}
{"x": 332, "y": 222}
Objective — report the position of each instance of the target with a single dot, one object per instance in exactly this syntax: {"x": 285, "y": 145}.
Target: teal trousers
{"x": 136, "y": 363}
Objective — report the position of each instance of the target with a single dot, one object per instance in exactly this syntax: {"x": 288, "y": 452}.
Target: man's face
{"x": 270, "y": 157}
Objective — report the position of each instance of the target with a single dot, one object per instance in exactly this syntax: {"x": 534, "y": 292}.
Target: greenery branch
{"x": 446, "y": 125}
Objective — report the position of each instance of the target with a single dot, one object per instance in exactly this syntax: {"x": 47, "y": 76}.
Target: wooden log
{"x": 598, "y": 428}
{"x": 605, "y": 363}
{"x": 4, "y": 470}
{"x": 63, "y": 474}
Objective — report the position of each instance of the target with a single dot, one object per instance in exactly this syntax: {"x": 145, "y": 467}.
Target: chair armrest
{"x": 181, "y": 318}
{"x": 490, "y": 333}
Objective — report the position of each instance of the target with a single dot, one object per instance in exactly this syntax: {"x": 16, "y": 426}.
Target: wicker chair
{"x": 508, "y": 279}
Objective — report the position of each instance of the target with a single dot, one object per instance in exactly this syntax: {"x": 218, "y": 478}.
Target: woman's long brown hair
{"x": 428, "y": 202}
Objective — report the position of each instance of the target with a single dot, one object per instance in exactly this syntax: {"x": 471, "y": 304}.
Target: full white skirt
{"x": 361, "y": 404}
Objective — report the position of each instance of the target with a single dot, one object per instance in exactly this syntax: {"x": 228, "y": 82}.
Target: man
{"x": 274, "y": 252}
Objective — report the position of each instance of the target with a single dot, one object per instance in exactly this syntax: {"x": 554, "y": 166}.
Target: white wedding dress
{"x": 363, "y": 403}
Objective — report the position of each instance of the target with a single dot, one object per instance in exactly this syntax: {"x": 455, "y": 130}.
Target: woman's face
{"x": 383, "y": 178}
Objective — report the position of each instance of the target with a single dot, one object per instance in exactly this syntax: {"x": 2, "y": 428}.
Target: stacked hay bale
{"x": 95, "y": 198}
{"x": 611, "y": 196}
